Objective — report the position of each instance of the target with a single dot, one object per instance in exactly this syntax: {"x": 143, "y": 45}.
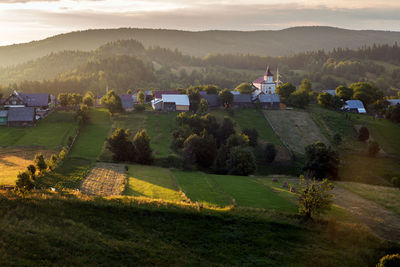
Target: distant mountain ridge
{"x": 201, "y": 43}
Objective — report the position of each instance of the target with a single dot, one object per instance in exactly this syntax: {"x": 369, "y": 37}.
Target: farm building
{"x": 269, "y": 101}
{"x": 158, "y": 94}
{"x": 394, "y": 102}
{"x": 242, "y": 101}
{"x": 212, "y": 100}
{"x": 127, "y": 102}
{"x": 21, "y": 116}
{"x": 170, "y": 102}
{"x": 148, "y": 95}
{"x": 37, "y": 101}
{"x": 355, "y": 106}
{"x": 3, "y": 117}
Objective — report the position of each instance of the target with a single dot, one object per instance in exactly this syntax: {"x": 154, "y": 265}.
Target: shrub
{"x": 241, "y": 161}
{"x": 389, "y": 261}
{"x": 373, "y": 148}
{"x": 139, "y": 107}
{"x": 270, "y": 153}
{"x": 252, "y": 134}
{"x": 24, "y": 183}
{"x": 363, "y": 134}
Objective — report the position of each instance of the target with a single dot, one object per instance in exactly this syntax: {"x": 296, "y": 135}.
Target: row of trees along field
{"x": 128, "y": 65}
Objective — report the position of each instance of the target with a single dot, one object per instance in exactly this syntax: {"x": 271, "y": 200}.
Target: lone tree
{"x": 194, "y": 98}
{"x": 203, "y": 106}
{"x": 112, "y": 101}
{"x": 315, "y": 197}
{"x": 244, "y": 88}
{"x": 88, "y": 99}
{"x": 141, "y": 97}
{"x": 322, "y": 161}
{"x": 40, "y": 163}
{"x": 82, "y": 115}
{"x": 373, "y": 148}
{"x": 241, "y": 161}
{"x": 226, "y": 98}
{"x": 363, "y": 134}
{"x": 270, "y": 153}
{"x": 141, "y": 142}
{"x": 120, "y": 145}
{"x": 252, "y": 134}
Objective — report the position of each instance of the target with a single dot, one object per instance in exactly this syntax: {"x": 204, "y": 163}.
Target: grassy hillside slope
{"x": 274, "y": 43}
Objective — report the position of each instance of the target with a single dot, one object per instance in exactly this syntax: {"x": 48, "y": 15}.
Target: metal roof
{"x": 394, "y": 102}
{"x": 181, "y": 100}
{"x": 213, "y": 100}
{"x": 36, "y": 100}
{"x": 21, "y": 114}
{"x": 242, "y": 98}
{"x": 269, "y": 98}
{"x": 354, "y": 104}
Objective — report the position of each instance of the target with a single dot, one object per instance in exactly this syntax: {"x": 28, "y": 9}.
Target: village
{"x": 20, "y": 109}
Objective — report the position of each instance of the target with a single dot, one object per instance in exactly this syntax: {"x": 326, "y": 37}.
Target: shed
{"x": 269, "y": 101}
{"x": 23, "y": 116}
{"x": 355, "y": 106}
{"x": 242, "y": 101}
{"x": 176, "y": 102}
{"x": 3, "y": 117}
{"x": 212, "y": 100}
{"x": 127, "y": 102}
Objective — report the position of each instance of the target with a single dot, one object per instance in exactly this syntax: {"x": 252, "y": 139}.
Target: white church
{"x": 266, "y": 84}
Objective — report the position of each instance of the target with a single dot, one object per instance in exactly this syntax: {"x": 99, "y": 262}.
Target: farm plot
{"x": 105, "y": 179}
{"x": 296, "y": 128}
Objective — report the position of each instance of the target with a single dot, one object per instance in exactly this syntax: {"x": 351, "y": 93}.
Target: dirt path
{"x": 384, "y": 223}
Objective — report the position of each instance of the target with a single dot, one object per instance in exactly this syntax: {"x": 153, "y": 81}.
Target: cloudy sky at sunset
{"x": 26, "y": 20}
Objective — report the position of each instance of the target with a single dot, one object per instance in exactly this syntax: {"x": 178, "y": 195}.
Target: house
{"x": 21, "y": 116}
{"x": 331, "y": 92}
{"x": 269, "y": 101}
{"x": 3, "y": 117}
{"x": 355, "y": 106}
{"x": 175, "y": 102}
{"x": 242, "y": 101}
{"x": 37, "y": 101}
{"x": 169, "y": 102}
{"x": 212, "y": 100}
{"x": 394, "y": 102}
{"x": 158, "y": 94}
{"x": 127, "y": 102}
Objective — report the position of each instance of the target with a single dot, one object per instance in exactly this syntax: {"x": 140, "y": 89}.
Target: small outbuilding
{"x": 355, "y": 106}
{"x": 269, "y": 101}
{"x": 212, "y": 100}
{"x": 242, "y": 101}
{"x": 21, "y": 116}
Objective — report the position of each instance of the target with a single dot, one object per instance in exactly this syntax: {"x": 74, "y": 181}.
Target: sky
{"x": 27, "y": 20}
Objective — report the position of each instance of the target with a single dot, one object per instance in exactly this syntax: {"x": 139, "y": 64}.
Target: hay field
{"x": 105, "y": 179}
{"x": 296, "y": 128}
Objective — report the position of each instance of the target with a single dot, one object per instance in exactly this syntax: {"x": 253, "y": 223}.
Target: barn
{"x": 175, "y": 102}
{"x": 269, "y": 101}
{"x": 242, "y": 101}
{"x": 21, "y": 116}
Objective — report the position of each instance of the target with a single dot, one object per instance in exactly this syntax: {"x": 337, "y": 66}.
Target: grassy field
{"x": 64, "y": 230}
{"x": 92, "y": 136}
{"x": 387, "y": 197}
{"x": 50, "y": 133}
{"x": 159, "y": 126}
{"x": 296, "y": 128}
{"x": 385, "y": 132}
{"x": 152, "y": 182}
{"x": 134, "y": 121}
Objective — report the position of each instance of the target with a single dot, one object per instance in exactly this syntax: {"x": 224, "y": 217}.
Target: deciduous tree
{"x": 141, "y": 142}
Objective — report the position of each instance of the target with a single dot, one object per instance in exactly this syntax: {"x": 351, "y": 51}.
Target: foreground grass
{"x": 387, "y": 197}
{"x": 68, "y": 230}
{"x": 49, "y": 133}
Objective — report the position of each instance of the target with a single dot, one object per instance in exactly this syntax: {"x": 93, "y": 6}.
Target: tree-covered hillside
{"x": 272, "y": 43}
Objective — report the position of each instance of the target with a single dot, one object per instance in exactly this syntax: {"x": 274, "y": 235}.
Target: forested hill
{"x": 266, "y": 43}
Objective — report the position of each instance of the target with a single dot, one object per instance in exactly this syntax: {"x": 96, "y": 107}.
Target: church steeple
{"x": 268, "y": 76}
